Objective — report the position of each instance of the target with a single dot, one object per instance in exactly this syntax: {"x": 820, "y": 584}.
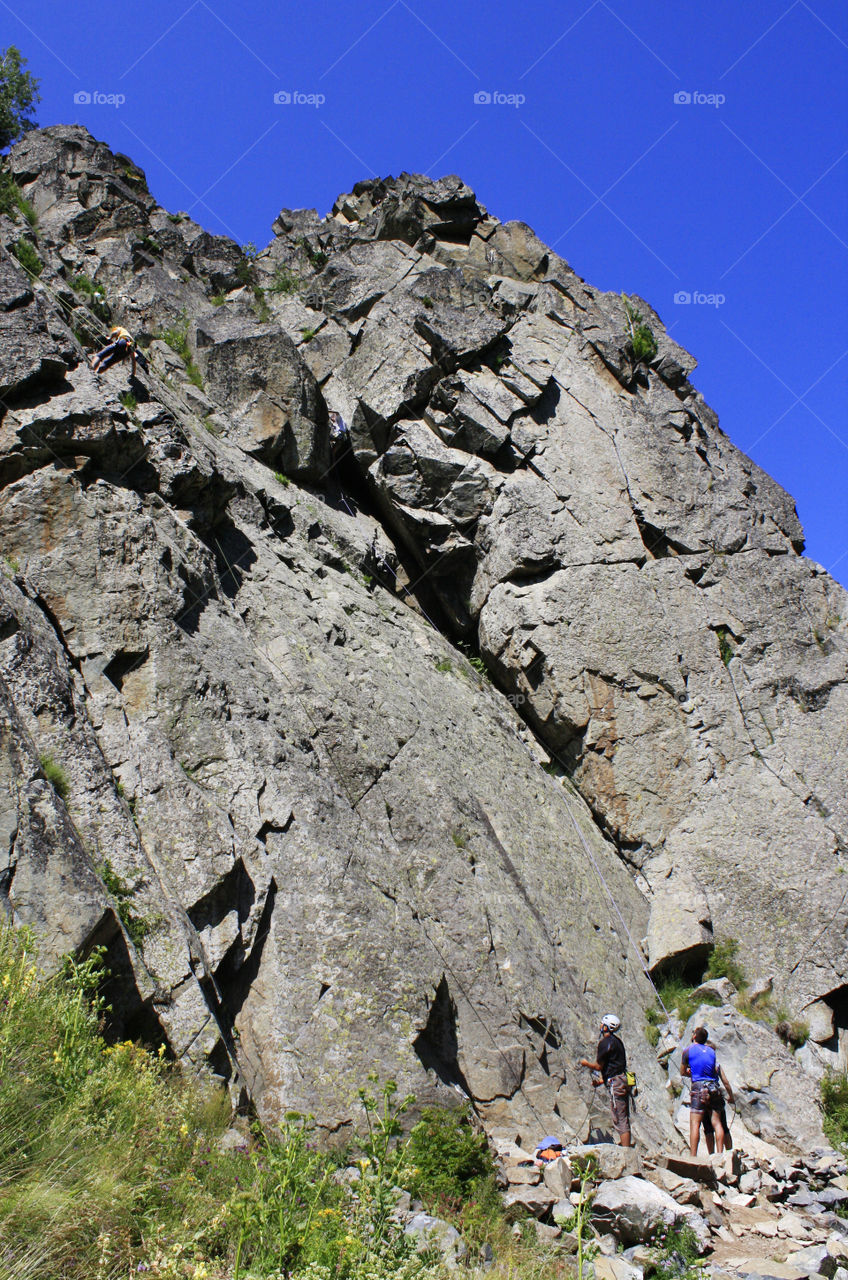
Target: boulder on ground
{"x": 535, "y": 1200}
{"x": 559, "y": 1177}
{"x": 616, "y": 1269}
{"x": 435, "y": 1233}
{"x": 721, "y": 988}
{"x": 814, "y": 1261}
{"x": 611, "y": 1160}
{"x": 691, "y": 1167}
{"x": 684, "y": 1190}
{"x": 634, "y": 1210}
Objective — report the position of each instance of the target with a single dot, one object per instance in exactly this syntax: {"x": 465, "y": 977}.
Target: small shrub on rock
{"x": 724, "y": 964}
{"x": 56, "y": 776}
{"x": 675, "y": 1255}
{"x": 12, "y": 202}
{"x": 27, "y": 256}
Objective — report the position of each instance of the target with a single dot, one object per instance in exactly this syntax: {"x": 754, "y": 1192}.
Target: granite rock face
{"x": 313, "y": 835}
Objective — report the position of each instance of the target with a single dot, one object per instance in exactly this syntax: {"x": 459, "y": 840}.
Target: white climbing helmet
{"x": 611, "y": 1022}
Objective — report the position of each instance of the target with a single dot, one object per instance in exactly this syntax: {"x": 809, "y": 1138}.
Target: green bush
{"x": 317, "y": 257}
{"x": 284, "y": 281}
{"x": 643, "y": 344}
{"x": 83, "y": 284}
{"x": 792, "y": 1031}
{"x": 176, "y": 337}
{"x": 674, "y": 1255}
{"x": 450, "y": 1169}
{"x": 27, "y": 256}
{"x": 12, "y": 201}
{"x": 722, "y": 963}
{"x": 137, "y": 927}
{"x": 446, "y": 1158}
{"x": 725, "y": 648}
{"x": 56, "y": 776}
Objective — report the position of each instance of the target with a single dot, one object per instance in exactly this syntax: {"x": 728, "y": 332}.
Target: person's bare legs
{"x": 694, "y": 1131}
{"x": 718, "y": 1129}
{"x": 624, "y": 1139}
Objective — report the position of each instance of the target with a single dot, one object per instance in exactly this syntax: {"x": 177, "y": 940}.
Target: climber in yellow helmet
{"x": 120, "y": 346}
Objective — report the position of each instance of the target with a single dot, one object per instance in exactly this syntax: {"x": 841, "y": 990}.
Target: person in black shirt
{"x": 611, "y": 1066}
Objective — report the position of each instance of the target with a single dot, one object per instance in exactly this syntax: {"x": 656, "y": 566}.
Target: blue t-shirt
{"x": 702, "y": 1061}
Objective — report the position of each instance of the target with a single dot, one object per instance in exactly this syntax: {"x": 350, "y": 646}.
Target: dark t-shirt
{"x": 611, "y": 1056}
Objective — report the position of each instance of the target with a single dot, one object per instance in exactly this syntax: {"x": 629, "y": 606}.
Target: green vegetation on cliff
{"x": 112, "y": 1162}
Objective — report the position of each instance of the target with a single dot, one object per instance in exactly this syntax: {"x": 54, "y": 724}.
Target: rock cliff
{"x": 416, "y": 759}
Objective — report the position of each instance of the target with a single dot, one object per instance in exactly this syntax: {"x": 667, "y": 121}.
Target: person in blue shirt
{"x": 705, "y": 1096}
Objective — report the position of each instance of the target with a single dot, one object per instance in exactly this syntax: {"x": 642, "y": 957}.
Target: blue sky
{"x": 696, "y": 149}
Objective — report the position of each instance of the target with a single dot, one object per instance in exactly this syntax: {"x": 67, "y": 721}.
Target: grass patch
{"x": 675, "y": 992}
{"x": 104, "y": 1149}
{"x": 56, "y": 776}
{"x": 26, "y": 254}
{"x": 308, "y": 334}
{"x": 284, "y": 281}
{"x": 725, "y": 648}
{"x": 13, "y": 202}
{"x": 281, "y": 479}
{"x": 444, "y": 664}
{"x": 129, "y": 401}
{"x": 111, "y": 1164}
{"x": 674, "y": 1255}
{"x": 317, "y": 257}
{"x": 176, "y": 337}
{"x": 642, "y": 343}
{"x": 85, "y": 285}
{"x": 137, "y": 927}
{"x": 260, "y": 305}
{"x": 723, "y": 963}
{"x": 654, "y": 1016}
{"x": 218, "y": 299}
{"x": 834, "y": 1099}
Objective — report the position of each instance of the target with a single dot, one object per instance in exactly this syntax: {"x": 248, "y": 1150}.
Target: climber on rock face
{"x": 339, "y": 435}
{"x": 120, "y": 346}
{"x": 611, "y": 1065}
{"x": 706, "y": 1101}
